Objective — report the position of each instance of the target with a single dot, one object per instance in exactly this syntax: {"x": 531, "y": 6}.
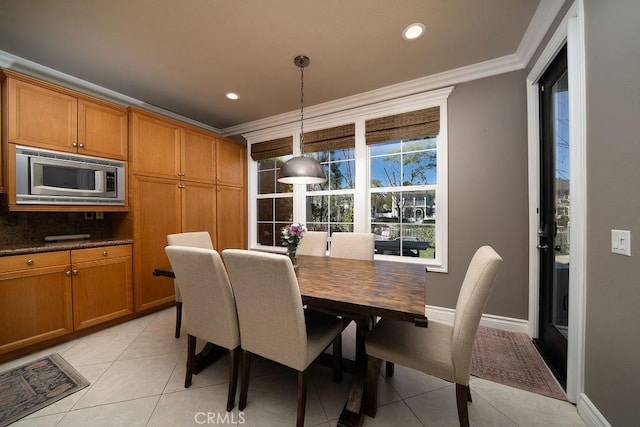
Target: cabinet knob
{"x": 75, "y": 272}
{"x": 30, "y": 262}
{"x": 75, "y": 144}
{"x": 68, "y": 273}
{"x": 104, "y": 253}
{"x": 81, "y": 145}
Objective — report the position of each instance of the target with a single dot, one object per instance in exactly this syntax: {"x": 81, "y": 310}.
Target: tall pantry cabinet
{"x": 181, "y": 179}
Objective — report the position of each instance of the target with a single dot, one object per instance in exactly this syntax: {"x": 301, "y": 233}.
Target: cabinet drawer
{"x": 104, "y": 252}
{"x": 31, "y": 261}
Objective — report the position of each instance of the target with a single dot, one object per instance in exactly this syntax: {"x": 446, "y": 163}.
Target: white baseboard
{"x": 510, "y": 324}
{"x": 589, "y": 413}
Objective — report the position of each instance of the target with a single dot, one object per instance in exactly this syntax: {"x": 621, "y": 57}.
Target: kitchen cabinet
{"x": 181, "y": 179}
{"x": 164, "y": 148}
{"x": 44, "y": 115}
{"x": 35, "y": 299}
{"x": 47, "y": 295}
{"x": 231, "y": 209}
{"x": 102, "y": 284}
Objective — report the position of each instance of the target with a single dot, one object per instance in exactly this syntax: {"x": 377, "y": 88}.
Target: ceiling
{"x": 183, "y": 56}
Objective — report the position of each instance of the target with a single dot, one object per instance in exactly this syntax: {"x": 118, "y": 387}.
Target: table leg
{"x": 352, "y": 414}
{"x": 209, "y": 354}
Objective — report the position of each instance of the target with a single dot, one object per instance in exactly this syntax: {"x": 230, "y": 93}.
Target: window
{"x": 403, "y": 164}
{"x": 386, "y": 173}
{"x": 329, "y": 206}
{"x": 274, "y": 200}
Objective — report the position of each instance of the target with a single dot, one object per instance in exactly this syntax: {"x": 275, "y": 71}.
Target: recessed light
{"x": 232, "y": 95}
{"x": 413, "y": 31}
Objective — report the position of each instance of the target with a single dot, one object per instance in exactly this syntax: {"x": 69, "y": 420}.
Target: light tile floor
{"x": 137, "y": 369}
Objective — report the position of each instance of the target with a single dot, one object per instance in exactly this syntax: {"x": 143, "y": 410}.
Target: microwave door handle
{"x": 100, "y": 181}
{"x": 57, "y": 190}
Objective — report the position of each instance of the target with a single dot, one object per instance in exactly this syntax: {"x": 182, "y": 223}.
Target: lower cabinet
{"x": 102, "y": 284}
{"x": 48, "y": 295}
{"x": 35, "y": 299}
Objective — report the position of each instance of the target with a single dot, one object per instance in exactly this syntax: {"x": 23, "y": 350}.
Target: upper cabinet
{"x": 43, "y": 115}
{"x": 231, "y": 163}
{"x": 167, "y": 149}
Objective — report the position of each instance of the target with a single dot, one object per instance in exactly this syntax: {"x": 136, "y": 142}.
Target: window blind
{"x": 330, "y": 139}
{"x": 273, "y": 148}
{"x": 414, "y": 124}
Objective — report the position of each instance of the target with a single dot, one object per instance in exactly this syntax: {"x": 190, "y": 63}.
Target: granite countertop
{"x": 60, "y": 246}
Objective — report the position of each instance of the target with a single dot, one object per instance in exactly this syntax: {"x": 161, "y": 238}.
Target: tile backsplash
{"x": 20, "y": 228}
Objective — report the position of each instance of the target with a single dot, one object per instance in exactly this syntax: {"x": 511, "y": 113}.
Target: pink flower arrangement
{"x": 291, "y": 236}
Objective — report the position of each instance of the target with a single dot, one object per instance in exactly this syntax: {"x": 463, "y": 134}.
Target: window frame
{"x": 362, "y": 190}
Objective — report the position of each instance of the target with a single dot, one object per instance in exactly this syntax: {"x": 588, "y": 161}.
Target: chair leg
{"x": 302, "y": 396}
{"x": 191, "y": 355}
{"x": 234, "y": 361}
{"x": 178, "y": 318}
{"x": 371, "y": 396}
{"x": 337, "y": 359}
{"x": 389, "y": 368}
{"x": 462, "y": 394}
{"x": 244, "y": 378}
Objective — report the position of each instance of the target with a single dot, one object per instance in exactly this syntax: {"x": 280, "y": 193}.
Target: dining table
{"x": 361, "y": 291}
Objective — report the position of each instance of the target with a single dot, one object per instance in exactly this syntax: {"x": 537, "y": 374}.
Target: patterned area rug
{"x": 30, "y": 387}
{"x": 510, "y": 358}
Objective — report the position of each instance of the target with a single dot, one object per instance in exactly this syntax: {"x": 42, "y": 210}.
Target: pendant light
{"x": 301, "y": 169}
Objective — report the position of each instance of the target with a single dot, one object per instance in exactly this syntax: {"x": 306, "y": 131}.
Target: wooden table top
{"x": 371, "y": 288}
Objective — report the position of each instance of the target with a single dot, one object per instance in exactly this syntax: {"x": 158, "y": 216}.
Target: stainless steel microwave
{"x": 56, "y": 178}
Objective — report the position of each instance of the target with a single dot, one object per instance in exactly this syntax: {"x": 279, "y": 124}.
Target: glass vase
{"x": 293, "y": 256}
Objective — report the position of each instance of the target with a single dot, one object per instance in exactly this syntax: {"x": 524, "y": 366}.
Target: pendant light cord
{"x": 301, "y": 110}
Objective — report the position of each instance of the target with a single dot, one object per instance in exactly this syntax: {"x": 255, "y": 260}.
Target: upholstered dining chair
{"x": 210, "y": 308}
{"x": 196, "y": 239}
{"x": 273, "y": 323}
{"x": 313, "y": 243}
{"x": 441, "y": 350}
{"x": 352, "y": 245}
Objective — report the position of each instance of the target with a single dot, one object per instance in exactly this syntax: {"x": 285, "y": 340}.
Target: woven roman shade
{"x": 415, "y": 124}
{"x": 330, "y": 139}
{"x": 273, "y": 148}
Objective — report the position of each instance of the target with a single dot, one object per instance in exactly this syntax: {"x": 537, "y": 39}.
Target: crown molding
{"x": 33, "y": 69}
{"x": 540, "y": 23}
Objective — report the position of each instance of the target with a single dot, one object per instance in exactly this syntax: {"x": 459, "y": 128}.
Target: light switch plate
{"x": 621, "y": 242}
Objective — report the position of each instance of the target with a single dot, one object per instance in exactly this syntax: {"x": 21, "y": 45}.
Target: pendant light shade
{"x": 301, "y": 169}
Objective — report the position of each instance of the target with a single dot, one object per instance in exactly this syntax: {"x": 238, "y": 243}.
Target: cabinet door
{"x": 102, "y": 284}
{"x": 102, "y": 130}
{"x": 198, "y": 156}
{"x": 231, "y": 218}
{"x": 41, "y": 117}
{"x": 156, "y": 213}
{"x": 199, "y": 208}
{"x": 35, "y": 305}
{"x": 154, "y": 146}
{"x": 230, "y": 166}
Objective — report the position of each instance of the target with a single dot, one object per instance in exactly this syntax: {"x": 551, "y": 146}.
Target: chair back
{"x": 210, "y": 309}
{"x": 313, "y": 243}
{"x": 272, "y": 322}
{"x": 352, "y": 245}
{"x": 474, "y": 293}
{"x": 196, "y": 239}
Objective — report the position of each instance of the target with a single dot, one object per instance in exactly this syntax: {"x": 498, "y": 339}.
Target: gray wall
{"x": 488, "y": 198}
{"x": 612, "y": 370}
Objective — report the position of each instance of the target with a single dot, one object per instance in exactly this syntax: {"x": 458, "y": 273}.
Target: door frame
{"x": 571, "y": 32}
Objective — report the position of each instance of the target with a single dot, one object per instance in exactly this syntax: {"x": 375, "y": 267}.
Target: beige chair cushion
{"x": 441, "y": 350}
{"x": 196, "y": 239}
{"x": 209, "y": 305}
{"x": 352, "y": 246}
{"x": 313, "y": 243}
{"x": 423, "y": 349}
{"x": 273, "y": 323}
